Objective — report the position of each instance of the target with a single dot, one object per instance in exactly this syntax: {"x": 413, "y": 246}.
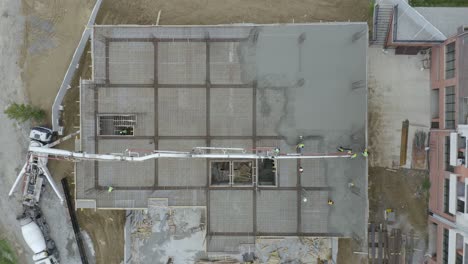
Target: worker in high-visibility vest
{"x": 353, "y": 155}
{"x": 277, "y": 151}
{"x": 109, "y": 190}
{"x": 365, "y": 153}
{"x": 331, "y": 202}
{"x": 343, "y": 149}
{"x": 300, "y": 146}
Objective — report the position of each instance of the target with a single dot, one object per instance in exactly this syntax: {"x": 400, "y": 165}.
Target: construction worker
{"x": 123, "y": 131}
{"x": 365, "y": 153}
{"x": 277, "y": 151}
{"x": 110, "y": 189}
{"x": 353, "y": 155}
{"x": 300, "y": 146}
{"x": 342, "y": 149}
{"x": 330, "y": 202}
{"x": 301, "y": 170}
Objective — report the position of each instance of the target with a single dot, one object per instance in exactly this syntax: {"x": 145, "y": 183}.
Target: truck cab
{"x": 41, "y": 134}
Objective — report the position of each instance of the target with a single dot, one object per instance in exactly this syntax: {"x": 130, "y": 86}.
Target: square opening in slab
{"x": 229, "y": 173}
{"x": 117, "y": 125}
{"x": 242, "y": 172}
{"x": 267, "y": 172}
{"x": 220, "y": 172}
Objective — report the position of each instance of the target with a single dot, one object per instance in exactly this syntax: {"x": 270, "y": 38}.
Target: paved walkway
{"x": 398, "y": 90}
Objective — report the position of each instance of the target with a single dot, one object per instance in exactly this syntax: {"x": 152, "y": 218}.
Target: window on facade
{"x": 450, "y": 107}
{"x": 450, "y": 60}
{"x": 459, "y": 259}
{"x": 445, "y": 248}
{"x": 448, "y": 167}
{"x": 446, "y": 196}
{"x": 460, "y": 206}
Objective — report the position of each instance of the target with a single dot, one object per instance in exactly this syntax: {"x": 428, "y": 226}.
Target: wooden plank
{"x": 404, "y": 142}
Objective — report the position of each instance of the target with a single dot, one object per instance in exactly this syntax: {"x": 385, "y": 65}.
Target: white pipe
{"x": 116, "y": 157}
{"x": 18, "y": 179}
{"x": 52, "y": 182}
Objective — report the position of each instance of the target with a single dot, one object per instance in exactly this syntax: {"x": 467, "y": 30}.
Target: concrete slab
{"x": 277, "y": 210}
{"x": 314, "y": 211}
{"x": 182, "y": 111}
{"x": 181, "y": 172}
{"x": 182, "y": 62}
{"x": 398, "y": 90}
{"x": 225, "y": 67}
{"x": 125, "y": 174}
{"x": 316, "y": 103}
{"x": 231, "y": 211}
{"x": 232, "y": 143}
{"x": 271, "y": 104}
{"x": 131, "y": 62}
{"x": 231, "y": 112}
{"x": 228, "y": 244}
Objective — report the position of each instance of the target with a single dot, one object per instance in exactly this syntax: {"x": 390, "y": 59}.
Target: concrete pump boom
{"x": 133, "y": 156}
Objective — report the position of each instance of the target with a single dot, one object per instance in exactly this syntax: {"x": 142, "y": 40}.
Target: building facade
{"x": 448, "y": 216}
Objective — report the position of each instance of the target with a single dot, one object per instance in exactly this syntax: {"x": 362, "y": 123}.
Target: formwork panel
{"x": 125, "y": 174}
{"x": 231, "y": 211}
{"x": 277, "y": 210}
{"x": 139, "y": 101}
{"x": 271, "y": 109}
{"x": 314, "y": 211}
{"x": 231, "y": 112}
{"x": 225, "y": 67}
{"x": 131, "y": 62}
{"x": 181, "y": 172}
{"x": 182, "y": 62}
{"x": 182, "y": 111}
{"x": 314, "y": 173}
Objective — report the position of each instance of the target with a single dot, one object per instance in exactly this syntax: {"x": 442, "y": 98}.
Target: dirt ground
{"x": 346, "y": 249}
{"x": 204, "y": 12}
{"x": 53, "y": 29}
{"x": 105, "y": 227}
{"x": 402, "y": 191}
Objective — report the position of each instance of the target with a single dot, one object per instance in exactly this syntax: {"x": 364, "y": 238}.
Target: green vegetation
{"x": 426, "y": 184}
{"x": 7, "y": 256}
{"x": 370, "y": 17}
{"x": 24, "y": 112}
{"x": 438, "y": 3}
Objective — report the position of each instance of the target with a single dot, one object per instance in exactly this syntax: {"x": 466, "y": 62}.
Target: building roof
{"x": 248, "y": 86}
{"x": 411, "y": 26}
{"x": 446, "y": 19}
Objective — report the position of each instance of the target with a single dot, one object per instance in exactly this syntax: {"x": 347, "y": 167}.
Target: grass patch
{"x": 445, "y": 3}
{"x": 7, "y": 256}
{"x": 370, "y": 18}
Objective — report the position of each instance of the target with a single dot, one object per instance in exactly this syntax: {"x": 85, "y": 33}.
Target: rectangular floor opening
{"x": 267, "y": 172}
{"x": 117, "y": 125}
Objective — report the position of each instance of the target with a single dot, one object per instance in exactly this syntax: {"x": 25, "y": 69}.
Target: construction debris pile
{"x": 167, "y": 235}
{"x": 294, "y": 250}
